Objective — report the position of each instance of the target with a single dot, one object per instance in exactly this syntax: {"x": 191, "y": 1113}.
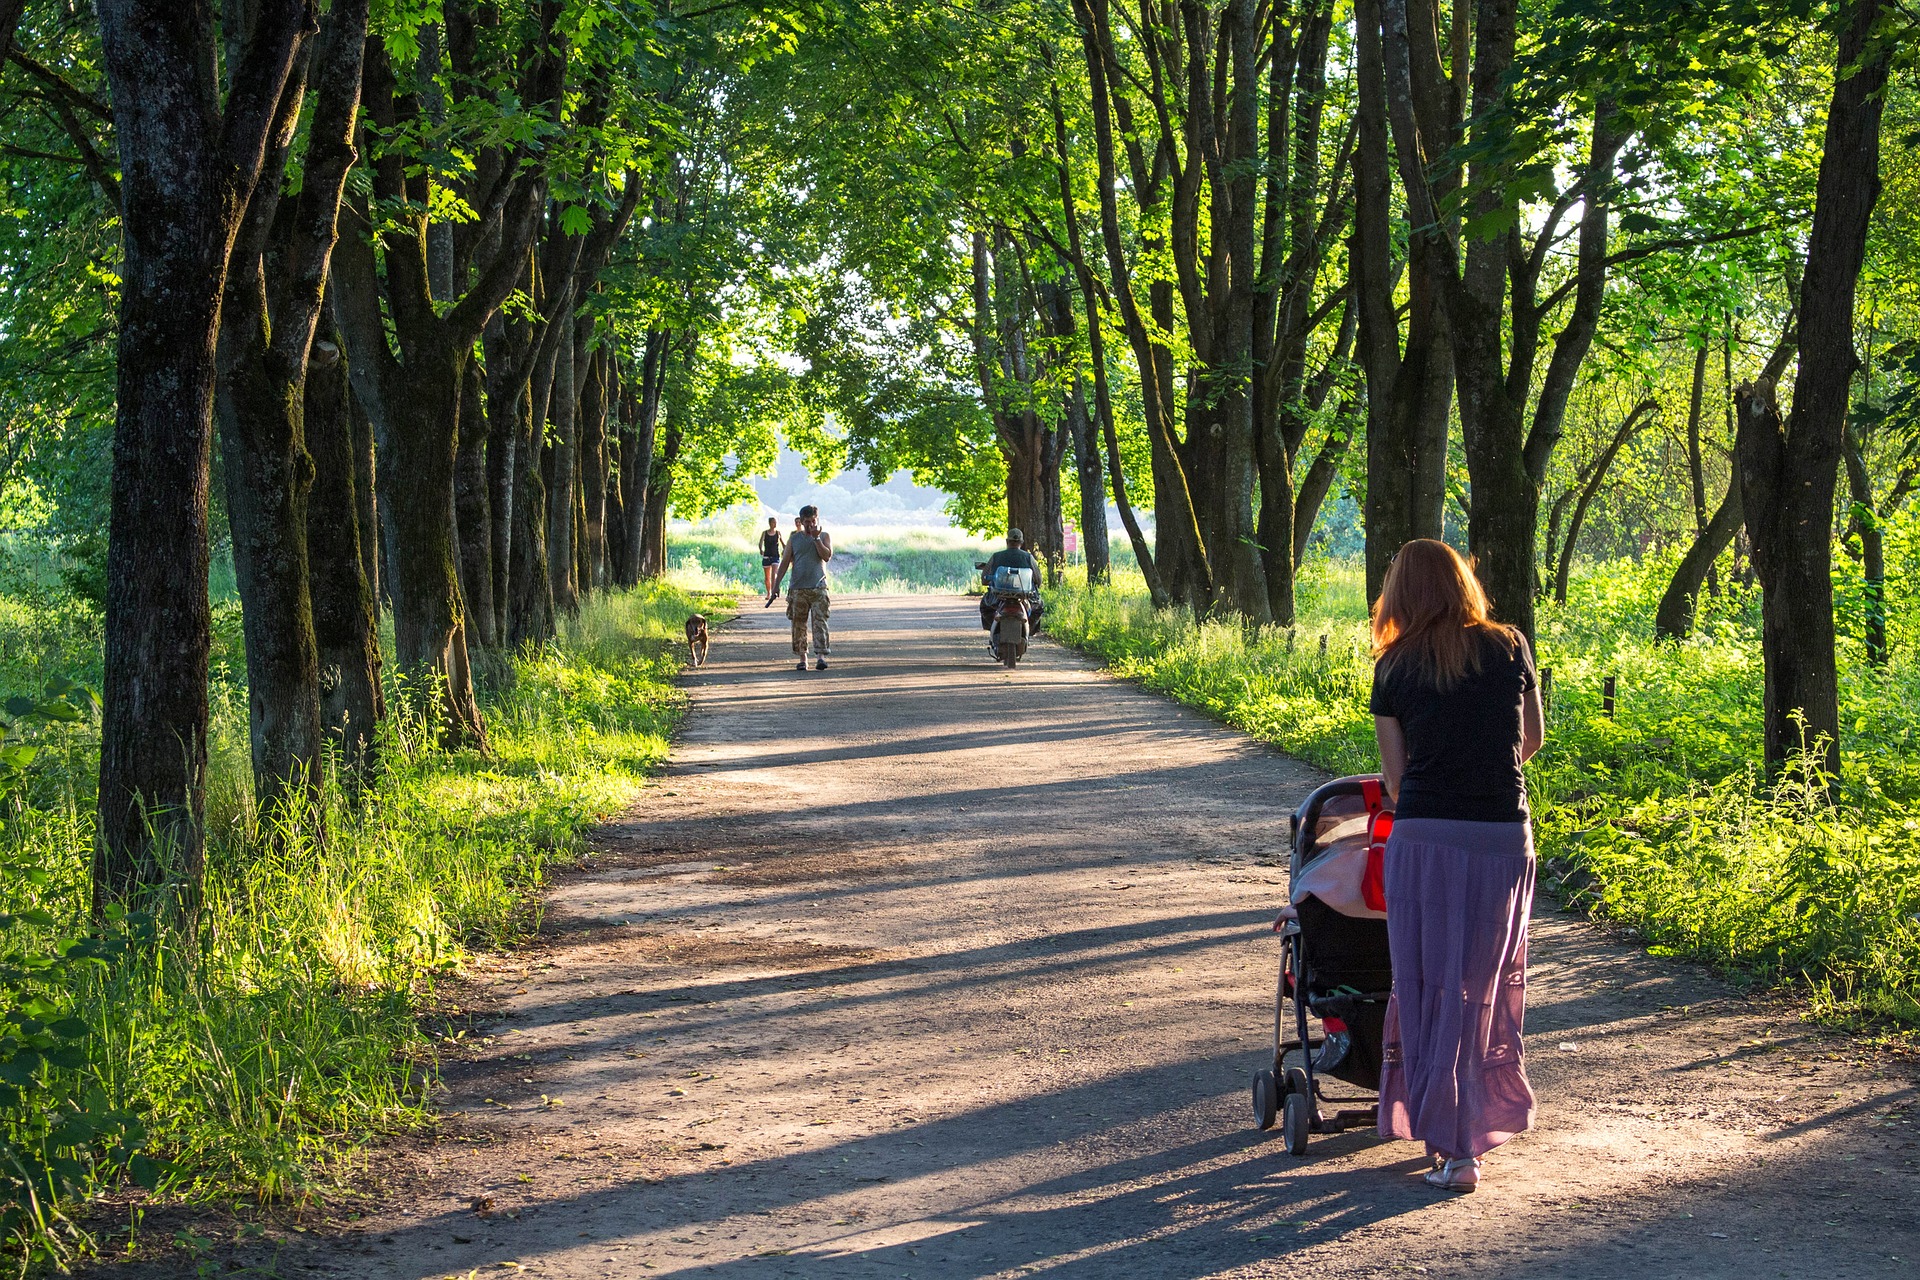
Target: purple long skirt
{"x": 1458, "y": 896}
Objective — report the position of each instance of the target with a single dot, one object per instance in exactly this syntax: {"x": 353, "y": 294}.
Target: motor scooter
{"x": 1010, "y": 617}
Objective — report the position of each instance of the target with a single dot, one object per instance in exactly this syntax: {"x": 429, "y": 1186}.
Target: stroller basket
{"x": 1335, "y": 967}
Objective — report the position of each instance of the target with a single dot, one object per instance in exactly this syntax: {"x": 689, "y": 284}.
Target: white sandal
{"x": 1462, "y": 1175}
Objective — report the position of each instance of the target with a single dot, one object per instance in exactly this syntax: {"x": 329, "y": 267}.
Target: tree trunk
{"x": 1102, "y": 421}
{"x": 1696, "y": 465}
{"x": 414, "y": 395}
{"x": 1596, "y": 477}
{"x": 1674, "y": 618}
{"x": 1318, "y": 481}
{"x": 268, "y": 473}
{"x": 1410, "y": 391}
{"x": 189, "y": 165}
{"x": 1696, "y": 460}
{"x": 509, "y": 366}
{"x": 618, "y": 565}
{"x": 275, "y": 293}
{"x": 346, "y": 623}
{"x": 636, "y": 452}
{"x": 417, "y": 453}
{"x": 531, "y": 617}
{"x": 593, "y": 475}
{"x": 366, "y": 503}
{"x": 1090, "y": 478}
{"x": 1787, "y": 476}
{"x": 1496, "y": 338}
{"x": 653, "y": 543}
{"x": 1873, "y": 551}
{"x": 557, "y": 466}
{"x": 1275, "y": 534}
{"x": 1180, "y": 558}
{"x": 473, "y": 510}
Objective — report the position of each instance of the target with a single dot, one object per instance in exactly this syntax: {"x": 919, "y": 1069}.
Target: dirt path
{"x": 919, "y": 968}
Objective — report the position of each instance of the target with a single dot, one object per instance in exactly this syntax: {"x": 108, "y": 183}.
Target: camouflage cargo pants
{"x": 807, "y": 607}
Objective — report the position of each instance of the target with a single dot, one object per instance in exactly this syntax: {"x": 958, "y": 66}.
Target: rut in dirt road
{"x": 918, "y": 967}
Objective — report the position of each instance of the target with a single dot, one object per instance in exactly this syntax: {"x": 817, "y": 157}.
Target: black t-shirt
{"x": 770, "y": 545}
{"x": 1463, "y": 746}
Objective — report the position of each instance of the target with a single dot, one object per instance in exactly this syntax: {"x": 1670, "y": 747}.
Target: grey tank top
{"x": 808, "y": 571}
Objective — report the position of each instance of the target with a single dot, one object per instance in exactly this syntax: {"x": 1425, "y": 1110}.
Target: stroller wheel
{"x": 1296, "y": 1082}
{"x": 1266, "y": 1099}
{"x": 1297, "y": 1123}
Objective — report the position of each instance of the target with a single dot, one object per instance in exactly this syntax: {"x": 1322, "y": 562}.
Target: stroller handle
{"x": 1309, "y": 811}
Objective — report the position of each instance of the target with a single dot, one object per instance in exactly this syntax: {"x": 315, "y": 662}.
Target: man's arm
{"x": 786, "y": 562}
{"x": 824, "y": 541}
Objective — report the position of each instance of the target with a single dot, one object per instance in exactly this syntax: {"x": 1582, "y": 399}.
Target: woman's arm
{"x": 1533, "y": 724}
{"x": 1393, "y": 752}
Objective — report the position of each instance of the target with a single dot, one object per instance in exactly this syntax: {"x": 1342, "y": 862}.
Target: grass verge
{"x": 252, "y": 1056}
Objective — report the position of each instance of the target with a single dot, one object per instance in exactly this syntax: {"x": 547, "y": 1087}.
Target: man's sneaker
{"x": 800, "y": 665}
{"x": 819, "y": 664}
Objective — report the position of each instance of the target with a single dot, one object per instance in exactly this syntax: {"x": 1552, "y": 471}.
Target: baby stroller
{"x": 1334, "y": 966}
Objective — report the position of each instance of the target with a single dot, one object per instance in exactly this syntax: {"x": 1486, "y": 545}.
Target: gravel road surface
{"x": 919, "y": 967}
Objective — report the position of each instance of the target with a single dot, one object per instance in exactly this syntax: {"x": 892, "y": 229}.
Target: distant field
{"x": 867, "y": 559}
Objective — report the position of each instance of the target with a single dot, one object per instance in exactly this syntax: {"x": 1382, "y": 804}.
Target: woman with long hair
{"x": 1456, "y": 709}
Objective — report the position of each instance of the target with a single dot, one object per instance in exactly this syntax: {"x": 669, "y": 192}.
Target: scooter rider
{"x": 1015, "y": 556}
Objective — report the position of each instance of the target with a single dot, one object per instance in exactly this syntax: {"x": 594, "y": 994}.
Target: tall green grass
{"x": 253, "y": 1054}
{"x": 1656, "y": 816}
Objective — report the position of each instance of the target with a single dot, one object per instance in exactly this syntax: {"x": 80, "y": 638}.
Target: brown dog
{"x": 697, "y": 638}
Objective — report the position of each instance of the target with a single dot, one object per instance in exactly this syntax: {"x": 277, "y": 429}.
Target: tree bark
{"x": 557, "y": 471}
{"x": 531, "y": 615}
{"x": 1596, "y": 477}
{"x": 593, "y": 475}
{"x": 473, "y": 510}
{"x": 1102, "y": 393}
{"x": 509, "y": 356}
{"x": 189, "y": 164}
{"x": 1410, "y": 390}
{"x": 10, "y": 11}
{"x": 637, "y": 450}
{"x": 346, "y": 621}
{"x": 1090, "y": 479}
{"x": 1787, "y": 475}
{"x": 1873, "y": 551}
{"x": 1318, "y": 480}
{"x": 653, "y": 545}
{"x": 274, "y": 301}
{"x": 1673, "y": 620}
{"x": 367, "y": 505}
{"x": 1180, "y": 558}
{"x": 414, "y": 396}
{"x": 1696, "y": 464}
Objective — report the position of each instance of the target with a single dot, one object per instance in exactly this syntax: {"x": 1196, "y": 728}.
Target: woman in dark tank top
{"x": 771, "y": 545}
{"x": 1457, "y": 712}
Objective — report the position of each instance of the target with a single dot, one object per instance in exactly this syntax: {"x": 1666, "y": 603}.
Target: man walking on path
{"x": 807, "y": 553}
